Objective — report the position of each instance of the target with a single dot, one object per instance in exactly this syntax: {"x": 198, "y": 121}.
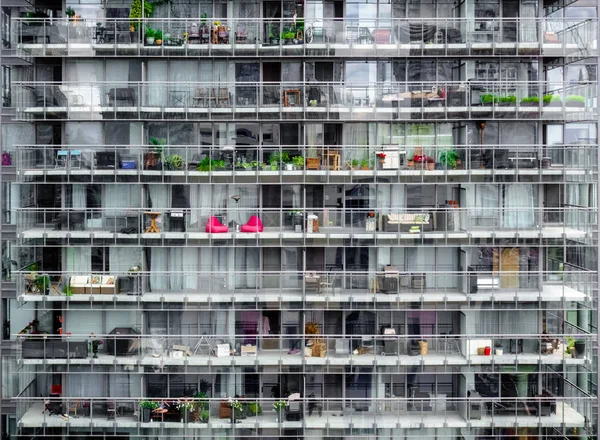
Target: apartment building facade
{"x": 299, "y": 219}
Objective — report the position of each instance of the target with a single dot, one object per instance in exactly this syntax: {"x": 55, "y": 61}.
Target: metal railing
{"x": 227, "y": 36}
{"x": 247, "y": 158}
{"x": 127, "y": 223}
{"x": 475, "y": 284}
{"x": 297, "y": 100}
{"x": 396, "y": 348}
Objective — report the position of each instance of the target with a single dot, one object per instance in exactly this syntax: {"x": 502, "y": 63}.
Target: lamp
{"x": 234, "y": 224}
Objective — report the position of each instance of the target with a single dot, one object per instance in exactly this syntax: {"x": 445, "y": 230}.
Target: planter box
{"x": 575, "y": 104}
{"x": 49, "y": 349}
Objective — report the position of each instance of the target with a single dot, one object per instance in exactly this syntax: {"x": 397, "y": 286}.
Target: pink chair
{"x": 254, "y": 225}
{"x": 213, "y": 225}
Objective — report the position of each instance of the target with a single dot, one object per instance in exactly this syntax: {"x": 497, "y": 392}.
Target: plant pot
{"x": 579, "y": 349}
{"x": 487, "y": 351}
{"x": 289, "y": 167}
{"x": 480, "y": 351}
{"x": 151, "y": 161}
{"x": 150, "y": 41}
{"x": 423, "y": 348}
{"x": 499, "y": 351}
{"x": 530, "y": 104}
{"x": 204, "y": 419}
{"x": 364, "y": 168}
{"x": 158, "y": 42}
{"x": 411, "y": 164}
{"x": 313, "y": 104}
{"x": 146, "y": 413}
{"x": 430, "y": 166}
{"x": 575, "y": 104}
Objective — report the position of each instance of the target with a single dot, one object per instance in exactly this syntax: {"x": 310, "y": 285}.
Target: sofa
{"x": 121, "y": 95}
{"x": 94, "y": 284}
{"x": 404, "y": 222}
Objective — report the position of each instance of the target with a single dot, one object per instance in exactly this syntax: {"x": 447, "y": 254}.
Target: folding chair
{"x": 75, "y": 159}
{"x": 62, "y": 159}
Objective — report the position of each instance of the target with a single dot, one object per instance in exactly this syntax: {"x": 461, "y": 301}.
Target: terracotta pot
{"x": 430, "y": 166}
{"x": 364, "y": 168}
{"x": 411, "y": 164}
{"x": 480, "y": 351}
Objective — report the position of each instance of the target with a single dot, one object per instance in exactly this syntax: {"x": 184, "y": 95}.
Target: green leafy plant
{"x": 42, "y": 282}
{"x": 535, "y": 99}
{"x": 575, "y": 98}
{"x": 203, "y": 18}
{"x": 298, "y": 162}
{"x": 234, "y": 404}
{"x": 449, "y": 158}
{"x": 201, "y": 402}
{"x": 488, "y": 98}
{"x": 279, "y": 405}
{"x": 150, "y": 32}
{"x": 204, "y": 416}
{"x": 364, "y": 163}
{"x": 288, "y": 35}
{"x": 507, "y": 99}
{"x": 149, "y": 404}
{"x": 254, "y": 408}
{"x": 355, "y": 163}
{"x": 208, "y": 164}
{"x": 174, "y": 162}
{"x": 70, "y": 12}
{"x": 158, "y": 144}
{"x": 276, "y": 158}
{"x": 68, "y": 291}
{"x": 158, "y": 35}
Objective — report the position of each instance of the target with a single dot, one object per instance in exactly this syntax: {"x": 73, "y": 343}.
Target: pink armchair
{"x": 213, "y": 225}
{"x": 254, "y": 225}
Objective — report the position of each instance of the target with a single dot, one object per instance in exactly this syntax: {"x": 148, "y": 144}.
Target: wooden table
{"x": 153, "y": 227}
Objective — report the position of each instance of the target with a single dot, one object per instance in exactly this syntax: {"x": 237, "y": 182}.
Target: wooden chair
{"x": 333, "y": 160}
{"x": 313, "y": 163}
{"x": 74, "y": 407}
{"x": 202, "y": 97}
{"x": 223, "y": 96}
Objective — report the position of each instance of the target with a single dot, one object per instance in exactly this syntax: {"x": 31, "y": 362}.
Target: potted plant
{"x": 410, "y": 163}
{"x": 96, "y": 343}
{"x": 147, "y": 407}
{"x": 185, "y": 408}
{"x": 43, "y": 283}
{"x": 381, "y": 158}
{"x": 506, "y": 101}
{"x": 153, "y": 158}
{"x": 430, "y": 163}
{"x": 174, "y": 162}
{"x": 449, "y": 159}
{"x": 158, "y": 37}
{"x": 278, "y": 407}
{"x": 575, "y": 101}
{"x": 287, "y": 36}
{"x": 68, "y": 290}
{"x": 313, "y": 102}
{"x": 204, "y": 416}
{"x": 70, "y": 12}
{"x": 488, "y": 99}
{"x": 364, "y": 165}
{"x": 552, "y": 100}
{"x": 530, "y": 101}
{"x": 150, "y": 35}
{"x": 298, "y": 162}
{"x": 236, "y": 409}
{"x": 254, "y": 409}
{"x": 287, "y": 160}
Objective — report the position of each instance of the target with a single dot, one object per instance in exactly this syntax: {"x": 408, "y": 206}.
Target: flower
{"x": 279, "y": 405}
{"x": 235, "y": 404}
{"x": 381, "y": 156}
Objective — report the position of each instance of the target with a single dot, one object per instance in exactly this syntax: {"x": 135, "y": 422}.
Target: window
{"x": 6, "y": 28}
{"x": 6, "y": 98}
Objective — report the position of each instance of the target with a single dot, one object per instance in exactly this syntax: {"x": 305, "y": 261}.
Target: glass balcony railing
{"x": 271, "y": 349}
{"x": 305, "y": 100}
{"x": 247, "y": 160}
{"x": 544, "y": 410}
{"x": 572, "y": 37}
{"x": 391, "y": 284}
{"x": 252, "y": 223}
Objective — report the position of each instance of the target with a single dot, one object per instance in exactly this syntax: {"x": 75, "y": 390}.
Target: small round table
{"x": 153, "y": 216}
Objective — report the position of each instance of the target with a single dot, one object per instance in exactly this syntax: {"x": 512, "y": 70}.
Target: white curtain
{"x": 78, "y": 197}
{"x": 156, "y": 92}
{"x": 121, "y": 259}
{"x": 79, "y": 259}
{"x": 159, "y": 260}
{"x": 519, "y": 206}
{"x": 482, "y": 204}
{"x": 85, "y": 385}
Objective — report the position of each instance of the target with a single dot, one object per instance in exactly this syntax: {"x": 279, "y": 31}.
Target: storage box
{"x": 248, "y": 350}
{"x": 128, "y": 165}
{"x": 223, "y": 350}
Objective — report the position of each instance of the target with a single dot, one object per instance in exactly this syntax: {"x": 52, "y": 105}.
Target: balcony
{"x": 390, "y": 101}
{"x": 248, "y": 162}
{"x": 553, "y": 37}
{"x": 385, "y": 287}
{"x": 341, "y": 350}
{"x": 302, "y": 226}
{"x": 323, "y": 413}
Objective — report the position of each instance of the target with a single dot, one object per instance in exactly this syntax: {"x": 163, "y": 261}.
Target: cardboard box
{"x": 248, "y": 350}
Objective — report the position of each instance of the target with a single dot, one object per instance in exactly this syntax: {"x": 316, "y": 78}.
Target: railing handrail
{"x": 307, "y": 271}
{"x": 94, "y": 147}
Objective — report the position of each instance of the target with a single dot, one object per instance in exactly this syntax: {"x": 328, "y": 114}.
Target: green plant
{"x": 201, "y": 404}
{"x": 174, "y": 162}
{"x": 208, "y": 164}
{"x": 68, "y": 291}
{"x": 507, "y": 99}
{"x": 158, "y": 35}
{"x": 279, "y": 405}
{"x": 158, "y": 144}
{"x": 449, "y": 158}
{"x": 276, "y": 158}
{"x": 70, "y": 12}
{"x": 254, "y": 408}
{"x": 235, "y": 404}
{"x": 203, "y": 18}
{"x": 298, "y": 161}
{"x": 288, "y": 35}
{"x": 535, "y": 99}
{"x": 300, "y": 24}
{"x": 204, "y": 416}
{"x": 364, "y": 163}
{"x": 150, "y": 34}
{"x": 575, "y": 98}
{"x": 148, "y": 404}
{"x": 488, "y": 98}
{"x": 42, "y": 282}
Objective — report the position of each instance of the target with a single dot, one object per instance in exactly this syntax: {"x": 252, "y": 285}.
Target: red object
{"x": 381, "y": 155}
{"x": 420, "y": 159}
{"x": 213, "y": 225}
{"x": 56, "y": 389}
{"x": 487, "y": 351}
{"x": 254, "y": 225}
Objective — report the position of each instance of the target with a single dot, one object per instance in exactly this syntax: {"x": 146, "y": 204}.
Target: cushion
{"x": 79, "y": 279}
